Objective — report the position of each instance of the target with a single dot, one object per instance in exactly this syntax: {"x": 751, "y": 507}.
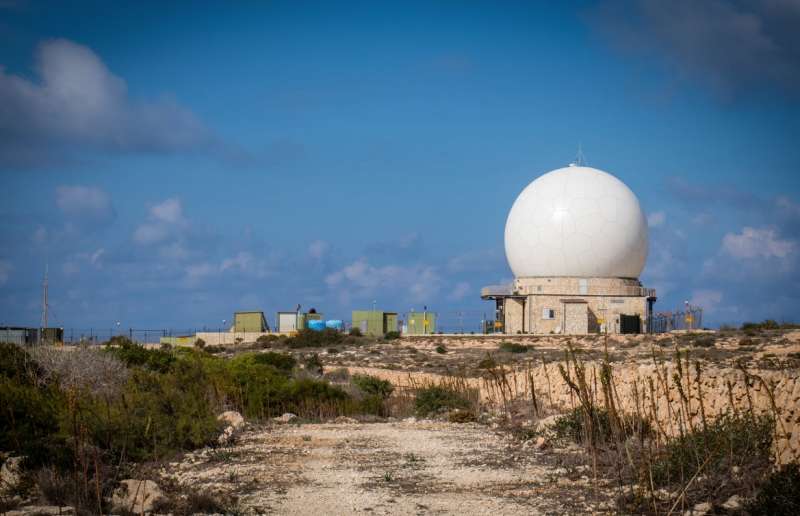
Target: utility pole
{"x": 44, "y": 304}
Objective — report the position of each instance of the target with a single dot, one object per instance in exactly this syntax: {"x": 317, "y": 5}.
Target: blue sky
{"x": 175, "y": 164}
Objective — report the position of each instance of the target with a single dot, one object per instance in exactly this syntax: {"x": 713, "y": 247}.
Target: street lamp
{"x": 118, "y": 327}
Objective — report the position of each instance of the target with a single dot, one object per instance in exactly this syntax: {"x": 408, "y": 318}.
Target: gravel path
{"x": 405, "y": 467}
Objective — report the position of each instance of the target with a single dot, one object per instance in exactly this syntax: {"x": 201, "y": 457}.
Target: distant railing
{"x": 691, "y": 319}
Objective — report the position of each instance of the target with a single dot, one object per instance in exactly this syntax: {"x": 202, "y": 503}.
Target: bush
{"x": 487, "y": 363}
{"x": 306, "y": 338}
{"x": 728, "y": 441}
{"x": 461, "y": 416}
{"x": 137, "y": 355}
{"x": 355, "y": 332}
{"x": 435, "y": 399}
{"x": 199, "y": 343}
{"x": 340, "y": 375}
{"x": 392, "y": 335}
{"x": 513, "y": 347}
{"x": 266, "y": 341}
{"x": 157, "y": 414}
{"x": 573, "y": 426}
{"x": 441, "y": 349}
{"x": 704, "y": 342}
{"x": 313, "y": 365}
{"x": 213, "y": 350}
{"x": 779, "y": 495}
{"x": 82, "y": 369}
{"x": 373, "y": 386}
{"x": 280, "y": 361}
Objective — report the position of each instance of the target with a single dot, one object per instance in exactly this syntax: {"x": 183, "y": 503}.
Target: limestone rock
{"x": 137, "y": 496}
{"x": 232, "y": 418}
{"x": 10, "y": 474}
{"x": 345, "y": 420}
{"x": 540, "y": 443}
{"x": 285, "y": 418}
{"x": 733, "y": 503}
{"x": 234, "y": 421}
{"x": 699, "y": 510}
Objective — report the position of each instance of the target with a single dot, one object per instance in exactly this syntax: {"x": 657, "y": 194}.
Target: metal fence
{"x": 690, "y": 319}
{"x": 144, "y": 336}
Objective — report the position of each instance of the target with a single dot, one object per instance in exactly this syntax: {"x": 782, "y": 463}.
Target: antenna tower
{"x": 44, "y": 304}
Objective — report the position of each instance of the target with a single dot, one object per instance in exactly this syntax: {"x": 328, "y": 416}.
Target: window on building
{"x": 548, "y": 313}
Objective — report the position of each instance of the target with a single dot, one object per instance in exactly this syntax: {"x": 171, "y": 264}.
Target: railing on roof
{"x": 496, "y": 290}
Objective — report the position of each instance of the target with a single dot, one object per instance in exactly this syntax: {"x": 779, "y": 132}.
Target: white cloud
{"x": 197, "y": 272}
{"x": 318, "y": 249}
{"x": 78, "y": 102}
{"x": 757, "y": 243}
{"x": 460, "y": 291}
{"x": 241, "y": 261}
{"x": 361, "y": 279}
{"x": 84, "y": 201}
{"x": 165, "y": 219}
{"x": 656, "y": 219}
{"x": 169, "y": 211}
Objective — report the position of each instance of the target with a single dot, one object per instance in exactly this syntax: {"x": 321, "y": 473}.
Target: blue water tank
{"x": 334, "y": 324}
{"x": 316, "y": 325}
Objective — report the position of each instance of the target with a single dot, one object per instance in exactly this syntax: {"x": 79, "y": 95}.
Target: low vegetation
{"x": 514, "y": 347}
{"x": 85, "y": 417}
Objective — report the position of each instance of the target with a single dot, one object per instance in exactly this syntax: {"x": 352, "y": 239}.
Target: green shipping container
{"x": 420, "y": 323}
{"x": 249, "y": 322}
{"x": 374, "y": 323}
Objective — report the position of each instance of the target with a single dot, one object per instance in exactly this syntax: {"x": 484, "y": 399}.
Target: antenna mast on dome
{"x": 580, "y": 159}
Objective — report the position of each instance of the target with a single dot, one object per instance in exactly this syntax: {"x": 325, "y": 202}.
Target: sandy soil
{"x": 405, "y": 467}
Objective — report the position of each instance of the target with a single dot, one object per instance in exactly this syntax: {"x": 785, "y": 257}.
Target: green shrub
{"x": 462, "y": 416}
{"x": 213, "y": 350}
{"x": 266, "y": 341}
{"x": 441, "y": 349}
{"x": 573, "y": 426}
{"x": 373, "y": 386}
{"x": 306, "y": 338}
{"x": 728, "y": 441}
{"x": 779, "y": 495}
{"x": 356, "y": 332}
{"x": 435, "y": 399}
{"x": 704, "y": 342}
{"x": 513, "y": 347}
{"x": 156, "y": 415}
{"x": 200, "y": 343}
{"x": 340, "y": 375}
{"x": 374, "y": 392}
{"x": 281, "y": 361}
{"x": 138, "y": 356}
{"x": 307, "y": 395}
{"x": 392, "y": 335}
{"x": 29, "y": 420}
{"x": 313, "y": 365}
{"x": 487, "y": 363}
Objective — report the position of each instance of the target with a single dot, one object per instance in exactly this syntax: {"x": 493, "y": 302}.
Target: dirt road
{"x": 405, "y": 467}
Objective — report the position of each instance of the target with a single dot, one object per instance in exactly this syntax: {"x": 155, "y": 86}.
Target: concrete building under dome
{"x": 576, "y": 240}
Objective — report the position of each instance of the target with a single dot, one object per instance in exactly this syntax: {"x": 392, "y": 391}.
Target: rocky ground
{"x": 396, "y": 467}
{"x": 418, "y": 467}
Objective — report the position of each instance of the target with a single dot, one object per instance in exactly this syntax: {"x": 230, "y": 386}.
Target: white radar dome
{"x": 576, "y": 221}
